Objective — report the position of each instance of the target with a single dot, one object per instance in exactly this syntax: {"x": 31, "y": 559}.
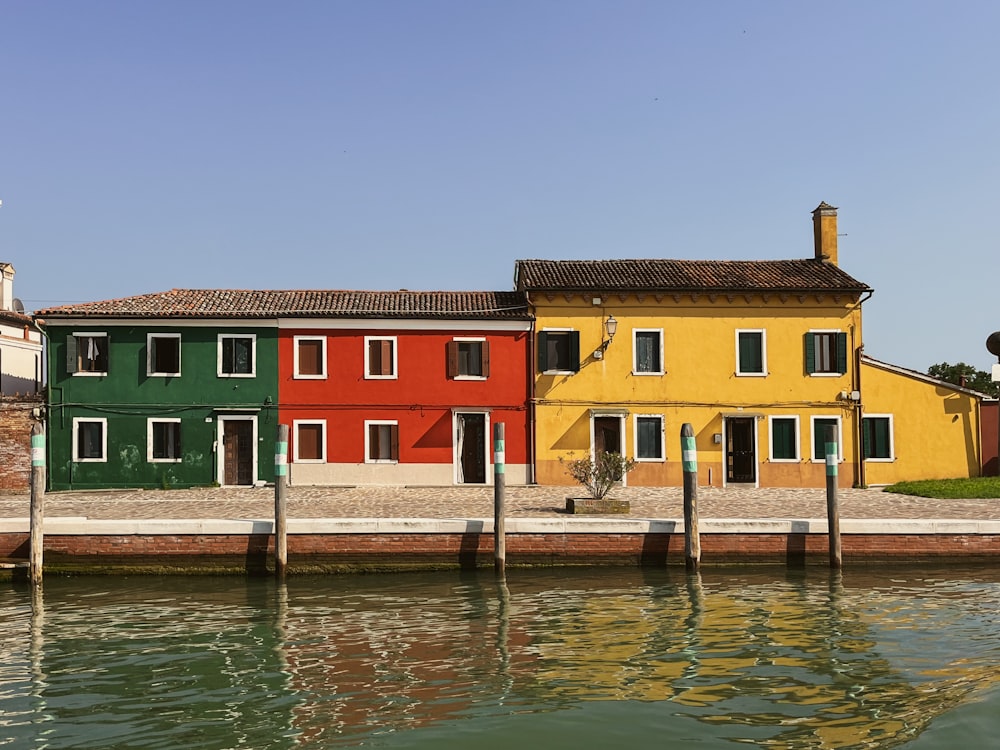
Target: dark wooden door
{"x": 473, "y": 448}
{"x": 607, "y": 435}
{"x": 237, "y": 439}
{"x": 741, "y": 461}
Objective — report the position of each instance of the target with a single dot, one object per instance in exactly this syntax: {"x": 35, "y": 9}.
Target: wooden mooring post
{"x": 35, "y": 562}
{"x": 689, "y": 458}
{"x": 499, "y": 501}
{"x": 280, "y": 501}
{"x": 832, "y": 502}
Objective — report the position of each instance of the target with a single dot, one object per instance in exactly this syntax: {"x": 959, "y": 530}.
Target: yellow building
{"x": 759, "y": 356}
{"x": 917, "y": 427}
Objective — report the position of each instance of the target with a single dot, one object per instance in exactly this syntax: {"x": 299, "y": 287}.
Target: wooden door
{"x": 741, "y": 459}
{"x": 473, "y": 456}
{"x": 608, "y": 435}
{"x": 237, "y": 439}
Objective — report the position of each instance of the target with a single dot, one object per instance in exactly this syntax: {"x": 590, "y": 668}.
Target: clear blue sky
{"x": 428, "y": 144}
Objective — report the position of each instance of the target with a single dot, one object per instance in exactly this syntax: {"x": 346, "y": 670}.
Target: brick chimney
{"x": 6, "y": 287}
{"x": 825, "y": 232}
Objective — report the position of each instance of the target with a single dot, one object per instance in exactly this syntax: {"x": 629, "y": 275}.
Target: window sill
{"x": 297, "y": 376}
{"x": 752, "y": 374}
{"x": 90, "y": 460}
{"x": 381, "y": 377}
{"x": 86, "y": 374}
{"x": 470, "y": 377}
{"x": 163, "y": 460}
{"x": 827, "y": 374}
{"x": 237, "y": 374}
{"x": 163, "y": 374}
{"x": 381, "y": 461}
{"x": 646, "y": 374}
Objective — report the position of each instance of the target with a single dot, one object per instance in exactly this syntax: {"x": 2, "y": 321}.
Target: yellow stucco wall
{"x": 935, "y": 427}
{"x": 700, "y": 384}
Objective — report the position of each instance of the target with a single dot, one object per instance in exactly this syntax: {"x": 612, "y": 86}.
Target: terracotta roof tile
{"x": 16, "y": 318}
{"x": 249, "y": 303}
{"x": 684, "y": 275}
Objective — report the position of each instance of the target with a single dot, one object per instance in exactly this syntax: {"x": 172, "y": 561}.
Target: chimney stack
{"x": 825, "y": 232}
{"x": 6, "y": 287}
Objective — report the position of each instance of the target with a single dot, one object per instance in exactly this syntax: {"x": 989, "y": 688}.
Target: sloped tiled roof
{"x": 249, "y": 303}
{"x": 16, "y": 318}
{"x": 647, "y": 274}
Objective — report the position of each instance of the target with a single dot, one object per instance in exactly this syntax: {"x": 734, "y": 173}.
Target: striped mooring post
{"x": 689, "y": 458}
{"x": 499, "y": 501}
{"x": 35, "y": 560}
{"x": 832, "y": 503}
{"x": 280, "y": 501}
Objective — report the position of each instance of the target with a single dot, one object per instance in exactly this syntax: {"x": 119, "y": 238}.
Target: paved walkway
{"x": 477, "y": 502}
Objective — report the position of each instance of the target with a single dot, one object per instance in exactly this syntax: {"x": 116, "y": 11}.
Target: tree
{"x": 965, "y": 375}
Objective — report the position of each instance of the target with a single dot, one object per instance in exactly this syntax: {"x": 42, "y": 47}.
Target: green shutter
{"x": 543, "y": 351}
{"x": 71, "y": 354}
{"x": 810, "y": 353}
{"x": 574, "y": 351}
{"x": 866, "y": 437}
{"x": 841, "y": 353}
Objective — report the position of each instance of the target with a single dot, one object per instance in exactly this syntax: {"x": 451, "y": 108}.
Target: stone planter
{"x": 581, "y": 505}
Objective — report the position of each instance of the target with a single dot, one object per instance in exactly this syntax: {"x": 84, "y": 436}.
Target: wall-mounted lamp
{"x": 610, "y": 327}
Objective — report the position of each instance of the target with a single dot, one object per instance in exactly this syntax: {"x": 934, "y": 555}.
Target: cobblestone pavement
{"x": 477, "y": 502}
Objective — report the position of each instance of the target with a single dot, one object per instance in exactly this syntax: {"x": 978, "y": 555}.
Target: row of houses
{"x": 187, "y": 387}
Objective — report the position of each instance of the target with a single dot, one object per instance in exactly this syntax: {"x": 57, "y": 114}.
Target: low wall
{"x": 16, "y": 421}
{"x": 324, "y": 545}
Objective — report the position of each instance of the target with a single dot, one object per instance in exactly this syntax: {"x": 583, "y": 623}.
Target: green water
{"x": 557, "y": 659}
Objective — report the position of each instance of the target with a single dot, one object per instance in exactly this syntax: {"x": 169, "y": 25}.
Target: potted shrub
{"x": 598, "y": 475}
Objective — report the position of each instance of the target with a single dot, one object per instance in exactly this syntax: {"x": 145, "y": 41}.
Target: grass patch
{"x": 950, "y": 489}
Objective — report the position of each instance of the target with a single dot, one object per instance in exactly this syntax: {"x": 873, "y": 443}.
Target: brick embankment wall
{"x": 253, "y": 553}
{"x": 15, "y": 441}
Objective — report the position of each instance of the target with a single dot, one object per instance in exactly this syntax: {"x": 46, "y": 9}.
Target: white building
{"x": 20, "y": 342}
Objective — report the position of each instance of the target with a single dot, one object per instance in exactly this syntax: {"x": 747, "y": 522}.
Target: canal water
{"x": 552, "y": 659}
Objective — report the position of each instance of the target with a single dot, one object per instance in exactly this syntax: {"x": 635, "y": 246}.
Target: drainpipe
{"x": 532, "y": 474}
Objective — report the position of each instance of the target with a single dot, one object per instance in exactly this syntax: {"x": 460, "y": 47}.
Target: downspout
{"x": 530, "y": 369}
{"x": 859, "y": 404}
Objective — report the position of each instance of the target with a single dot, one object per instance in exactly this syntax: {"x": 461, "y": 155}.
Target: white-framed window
{"x": 380, "y": 358}
{"x": 826, "y": 352}
{"x": 784, "y": 433}
{"x": 237, "y": 355}
{"x": 468, "y": 358}
{"x": 647, "y": 351}
{"x": 163, "y": 440}
{"x": 90, "y": 439}
{"x": 310, "y": 441}
{"x": 310, "y": 357}
{"x": 877, "y": 437}
{"x": 381, "y": 442}
{"x": 819, "y": 425}
{"x": 751, "y": 352}
{"x": 163, "y": 354}
{"x": 88, "y": 353}
{"x": 559, "y": 351}
{"x": 649, "y": 437}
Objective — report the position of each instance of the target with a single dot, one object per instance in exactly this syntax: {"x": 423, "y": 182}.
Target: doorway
{"x": 238, "y": 451}
{"x": 470, "y": 448}
{"x": 741, "y": 454}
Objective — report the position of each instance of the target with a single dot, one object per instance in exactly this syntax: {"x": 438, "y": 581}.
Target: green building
{"x": 144, "y": 394}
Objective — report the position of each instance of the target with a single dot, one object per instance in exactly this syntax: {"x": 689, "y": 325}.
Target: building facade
{"x": 760, "y": 357}
{"x": 20, "y": 342}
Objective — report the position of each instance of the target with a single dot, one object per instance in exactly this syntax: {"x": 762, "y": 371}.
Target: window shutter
{"x": 386, "y": 357}
{"x": 451, "y": 349}
{"x": 394, "y": 442}
{"x": 866, "y": 438}
{"x": 485, "y": 349}
{"x": 71, "y": 344}
{"x": 842, "y": 353}
{"x": 810, "y": 353}
{"x": 107, "y": 353}
{"x": 543, "y": 351}
{"x": 574, "y": 351}
{"x": 373, "y": 451}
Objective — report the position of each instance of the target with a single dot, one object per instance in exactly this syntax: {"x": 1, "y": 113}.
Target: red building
{"x": 404, "y": 387}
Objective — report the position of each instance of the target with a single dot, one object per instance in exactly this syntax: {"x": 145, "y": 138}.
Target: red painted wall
{"x": 420, "y": 399}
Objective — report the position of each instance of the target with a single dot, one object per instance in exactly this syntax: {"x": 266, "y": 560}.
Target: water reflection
{"x": 796, "y": 660}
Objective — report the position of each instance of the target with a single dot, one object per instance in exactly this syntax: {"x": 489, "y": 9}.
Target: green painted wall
{"x": 126, "y": 397}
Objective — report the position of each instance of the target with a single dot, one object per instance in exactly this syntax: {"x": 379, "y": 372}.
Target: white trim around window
{"x": 253, "y": 355}
{"x": 151, "y": 371}
{"x": 392, "y": 371}
{"x": 389, "y": 435}
{"x": 150, "y": 422}
{"x": 658, "y": 369}
{"x": 770, "y": 438}
{"x": 322, "y": 358}
{"x": 77, "y": 421}
{"x": 891, "y": 437}
{"x": 657, "y": 418}
{"x": 813, "y": 436}
{"x": 296, "y": 424}
{"x": 763, "y": 354}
